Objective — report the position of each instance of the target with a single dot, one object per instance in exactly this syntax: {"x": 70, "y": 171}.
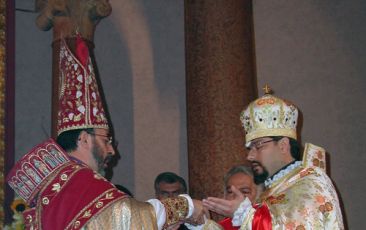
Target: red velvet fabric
{"x": 80, "y": 193}
{"x": 80, "y": 102}
{"x": 262, "y": 218}
{"x": 82, "y": 51}
{"x": 227, "y": 225}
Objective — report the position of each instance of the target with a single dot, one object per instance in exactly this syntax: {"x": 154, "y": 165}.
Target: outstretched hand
{"x": 199, "y": 213}
{"x": 222, "y": 206}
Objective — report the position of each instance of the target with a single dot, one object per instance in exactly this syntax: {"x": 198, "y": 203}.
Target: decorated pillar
{"x": 221, "y": 81}
{"x": 69, "y": 18}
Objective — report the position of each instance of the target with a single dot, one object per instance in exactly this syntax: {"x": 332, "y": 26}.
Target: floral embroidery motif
{"x": 307, "y": 172}
{"x": 56, "y": 187}
{"x": 77, "y": 224}
{"x": 326, "y": 207}
{"x": 276, "y": 199}
{"x": 87, "y": 214}
{"x": 109, "y": 196}
{"x": 99, "y": 204}
{"x": 80, "y": 104}
{"x": 318, "y": 160}
{"x": 292, "y": 226}
{"x": 303, "y": 199}
{"x": 102, "y": 201}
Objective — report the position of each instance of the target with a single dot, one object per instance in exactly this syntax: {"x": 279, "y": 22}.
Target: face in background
{"x": 168, "y": 190}
{"x": 244, "y": 183}
{"x": 102, "y": 149}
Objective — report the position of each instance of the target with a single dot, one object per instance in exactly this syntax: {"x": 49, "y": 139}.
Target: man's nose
{"x": 251, "y": 154}
{"x": 111, "y": 149}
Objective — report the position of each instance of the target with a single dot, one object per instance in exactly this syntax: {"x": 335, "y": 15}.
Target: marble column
{"x": 220, "y": 65}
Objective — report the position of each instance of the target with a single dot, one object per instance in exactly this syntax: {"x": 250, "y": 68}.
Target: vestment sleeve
{"x": 172, "y": 210}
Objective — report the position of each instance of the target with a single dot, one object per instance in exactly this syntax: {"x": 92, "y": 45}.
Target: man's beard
{"x": 98, "y": 158}
{"x": 102, "y": 163}
{"x": 260, "y": 173}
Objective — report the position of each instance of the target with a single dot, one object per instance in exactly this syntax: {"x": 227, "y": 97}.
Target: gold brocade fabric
{"x": 176, "y": 209}
{"x": 211, "y": 225}
{"x": 304, "y": 198}
{"x": 125, "y": 214}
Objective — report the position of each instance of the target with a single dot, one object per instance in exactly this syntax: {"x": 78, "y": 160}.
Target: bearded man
{"x": 298, "y": 194}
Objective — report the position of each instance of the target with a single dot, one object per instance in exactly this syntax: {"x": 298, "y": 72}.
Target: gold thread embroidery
{"x": 109, "y": 196}
{"x": 99, "y": 204}
{"x": 93, "y": 211}
{"x": 176, "y": 209}
{"x": 63, "y": 177}
{"x": 56, "y": 187}
{"x": 87, "y": 214}
{"x": 77, "y": 224}
{"x": 45, "y": 201}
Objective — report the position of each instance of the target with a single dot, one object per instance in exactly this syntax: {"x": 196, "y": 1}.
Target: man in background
{"x": 169, "y": 184}
{"x": 240, "y": 177}
{"x": 297, "y": 195}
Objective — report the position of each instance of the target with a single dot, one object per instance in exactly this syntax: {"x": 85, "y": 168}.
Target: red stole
{"x": 71, "y": 198}
{"x": 262, "y": 218}
{"x": 227, "y": 224}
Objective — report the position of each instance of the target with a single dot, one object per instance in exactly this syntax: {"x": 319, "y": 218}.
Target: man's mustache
{"x": 256, "y": 163}
{"x": 108, "y": 159}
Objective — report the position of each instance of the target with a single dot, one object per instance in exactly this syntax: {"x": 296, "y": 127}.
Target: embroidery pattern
{"x": 176, "y": 209}
{"x": 34, "y": 168}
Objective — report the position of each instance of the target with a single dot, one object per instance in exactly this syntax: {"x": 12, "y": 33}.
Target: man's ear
{"x": 284, "y": 145}
{"x": 83, "y": 139}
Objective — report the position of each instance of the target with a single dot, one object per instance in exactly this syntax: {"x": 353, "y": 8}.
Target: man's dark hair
{"x": 68, "y": 139}
{"x": 294, "y": 147}
{"x": 170, "y": 178}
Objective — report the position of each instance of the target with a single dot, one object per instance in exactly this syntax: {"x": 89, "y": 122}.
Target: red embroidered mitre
{"x": 80, "y": 104}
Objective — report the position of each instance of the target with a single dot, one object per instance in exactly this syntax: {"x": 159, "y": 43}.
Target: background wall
{"x": 310, "y": 52}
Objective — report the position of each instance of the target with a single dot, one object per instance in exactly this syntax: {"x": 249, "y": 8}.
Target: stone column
{"x": 220, "y": 64}
{"x": 68, "y": 18}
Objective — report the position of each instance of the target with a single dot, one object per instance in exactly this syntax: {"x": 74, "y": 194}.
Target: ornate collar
{"x": 280, "y": 174}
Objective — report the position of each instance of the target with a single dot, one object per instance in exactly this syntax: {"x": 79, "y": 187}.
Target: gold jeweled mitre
{"x": 269, "y": 116}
